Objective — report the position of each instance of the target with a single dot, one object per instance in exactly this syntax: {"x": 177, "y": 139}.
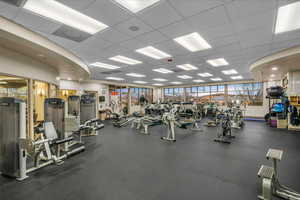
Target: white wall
{"x": 294, "y": 83}
{"x": 13, "y": 63}
{"x": 102, "y": 89}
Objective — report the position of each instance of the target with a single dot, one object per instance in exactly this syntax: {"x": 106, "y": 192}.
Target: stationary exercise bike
{"x": 270, "y": 182}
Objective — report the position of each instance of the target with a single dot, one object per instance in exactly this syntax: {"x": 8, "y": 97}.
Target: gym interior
{"x": 149, "y": 99}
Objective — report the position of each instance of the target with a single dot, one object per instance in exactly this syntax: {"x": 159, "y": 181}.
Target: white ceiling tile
{"x": 210, "y": 18}
{"x": 264, "y": 19}
{"x": 245, "y": 8}
{"x": 113, "y": 36}
{"x": 106, "y": 12}
{"x": 160, "y": 15}
{"x": 255, "y": 37}
{"x": 191, "y": 7}
{"x": 124, "y": 27}
{"x": 152, "y": 37}
{"x": 221, "y": 41}
{"x": 177, "y": 29}
{"x": 36, "y": 22}
{"x": 132, "y": 44}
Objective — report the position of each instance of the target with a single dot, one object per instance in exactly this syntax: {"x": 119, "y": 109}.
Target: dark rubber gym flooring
{"x": 120, "y": 164}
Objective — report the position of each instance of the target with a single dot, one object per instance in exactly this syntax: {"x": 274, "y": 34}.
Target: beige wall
{"x": 13, "y": 63}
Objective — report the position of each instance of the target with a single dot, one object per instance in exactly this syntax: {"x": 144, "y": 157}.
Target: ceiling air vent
{"x": 17, "y": 3}
{"x": 71, "y": 34}
{"x": 111, "y": 72}
{"x": 177, "y": 70}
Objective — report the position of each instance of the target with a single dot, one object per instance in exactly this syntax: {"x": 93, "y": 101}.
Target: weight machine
{"x": 270, "y": 182}
{"x": 16, "y": 151}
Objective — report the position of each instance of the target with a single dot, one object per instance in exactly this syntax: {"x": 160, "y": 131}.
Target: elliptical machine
{"x": 224, "y": 134}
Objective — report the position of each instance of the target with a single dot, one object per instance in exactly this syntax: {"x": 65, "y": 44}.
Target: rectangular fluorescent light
{"x": 64, "y": 14}
{"x": 205, "y": 74}
{"x": 176, "y": 82}
{"x": 140, "y": 82}
{"x": 158, "y": 84}
{"x": 216, "y": 79}
{"x": 187, "y": 67}
{"x": 153, "y": 52}
{"x": 236, "y": 77}
{"x": 160, "y": 79}
{"x": 184, "y": 77}
{"x": 229, "y": 72}
{"x": 104, "y": 65}
{"x": 115, "y": 78}
{"x": 288, "y": 18}
{"x": 125, "y": 60}
{"x": 217, "y": 62}
{"x": 198, "y": 81}
{"x": 193, "y": 42}
{"x": 163, "y": 70}
{"x": 136, "y": 6}
{"x": 136, "y": 75}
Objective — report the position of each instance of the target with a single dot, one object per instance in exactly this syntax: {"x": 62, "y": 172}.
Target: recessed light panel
{"x": 230, "y": 72}
{"x": 184, "y": 77}
{"x": 125, "y": 60}
{"x": 218, "y": 62}
{"x": 198, "y": 81}
{"x": 115, "y": 78}
{"x": 216, "y": 79}
{"x": 236, "y": 77}
{"x": 136, "y": 6}
{"x": 176, "y": 82}
{"x": 274, "y": 68}
{"x": 160, "y": 79}
{"x": 140, "y": 82}
{"x": 163, "y": 71}
{"x": 187, "y": 67}
{"x": 136, "y": 75}
{"x": 153, "y": 53}
{"x": 64, "y": 14}
{"x": 158, "y": 84}
{"x": 288, "y": 18}
{"x": 104, "y": 65}
{"x": 193, "y": 42}
{"x": 205, "y": 74}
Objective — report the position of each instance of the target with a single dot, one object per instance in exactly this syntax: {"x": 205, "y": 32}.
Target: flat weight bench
{"x": 270, "y": 182}
{"x": 267, "y": 174}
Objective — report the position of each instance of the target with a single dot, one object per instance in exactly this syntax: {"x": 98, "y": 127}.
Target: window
{"x": 250, "y": 93}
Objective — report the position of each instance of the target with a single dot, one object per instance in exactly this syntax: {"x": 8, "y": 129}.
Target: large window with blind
{"x": 136, "y": 93}
{"x": 248, "y": 93}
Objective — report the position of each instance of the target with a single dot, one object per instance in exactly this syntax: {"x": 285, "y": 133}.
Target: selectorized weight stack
{"x": 12, "y": 135}
{"x": 87, "y": 108}
{"x": 74, "y": 105}
{"x": 54, "y": 112}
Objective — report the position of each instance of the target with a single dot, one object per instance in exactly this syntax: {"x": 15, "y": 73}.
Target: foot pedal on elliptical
{"x": 266, "y": 172}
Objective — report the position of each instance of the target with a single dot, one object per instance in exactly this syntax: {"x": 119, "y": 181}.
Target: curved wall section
{"x": 13, "y": 63}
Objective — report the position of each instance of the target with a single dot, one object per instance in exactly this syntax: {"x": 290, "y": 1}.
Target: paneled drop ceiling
{"x": 240, "y": 31}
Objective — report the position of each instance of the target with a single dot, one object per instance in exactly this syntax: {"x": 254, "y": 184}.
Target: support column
{"x": 30, "y": 106}
{"x": 226, "y": 94}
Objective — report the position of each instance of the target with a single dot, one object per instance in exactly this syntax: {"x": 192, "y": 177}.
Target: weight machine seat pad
{"x": 274, "y": 154}
{"x": 63, "y": 140}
